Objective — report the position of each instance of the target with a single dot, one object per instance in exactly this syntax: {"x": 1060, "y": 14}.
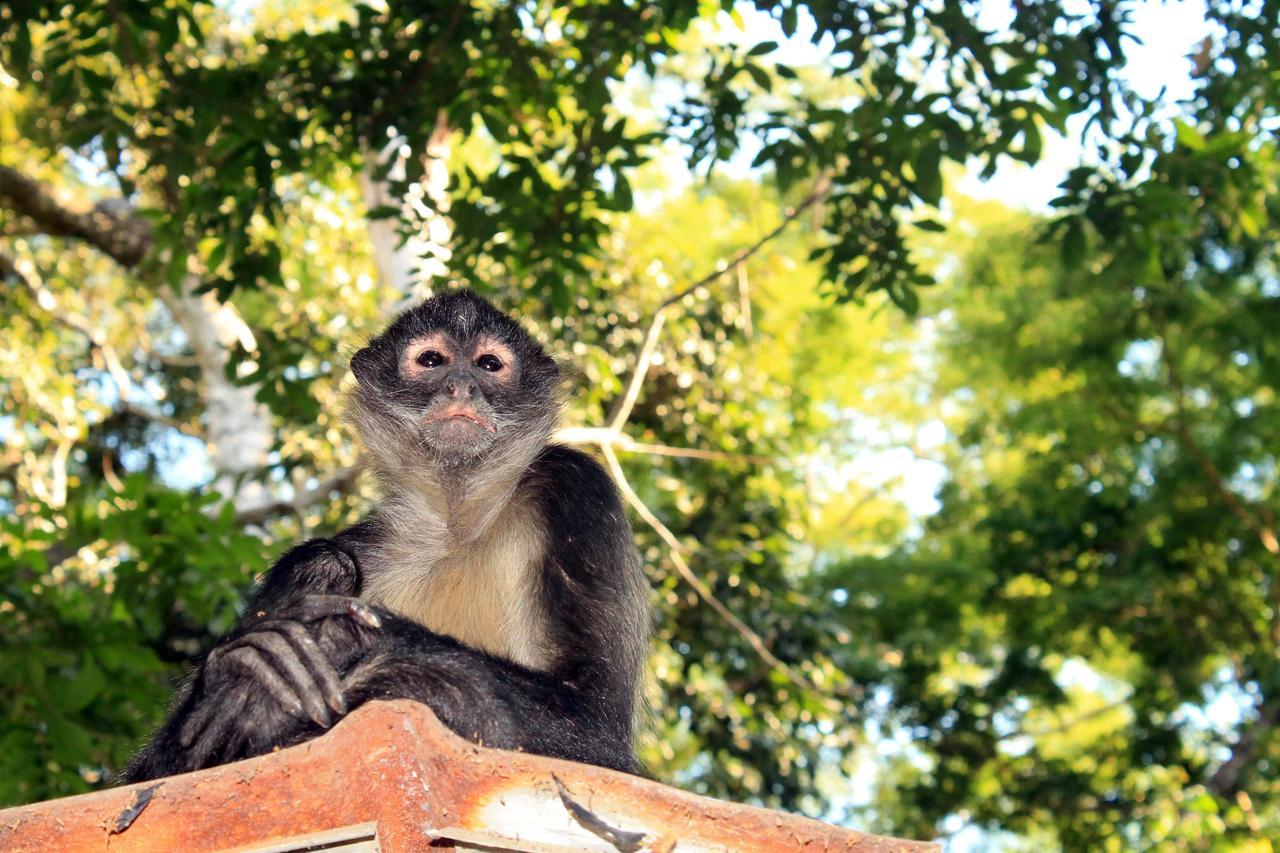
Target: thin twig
{"x": 628, "y": 402}
{"x": 339, "y": 481}
{"x": 674, "y": 552}
{"x": 162, "y": 420}
{"x": 1071, "y": 723}
{"x": 606, "y": 437}
{"x": 744, "y": 302}
{"x": 1226, "y": 779}
{"x": 821, "y": 188}
{"x": 25, "y": 274}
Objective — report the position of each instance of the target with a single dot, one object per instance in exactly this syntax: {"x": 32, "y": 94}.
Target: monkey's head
{"x": 450, "y": 383}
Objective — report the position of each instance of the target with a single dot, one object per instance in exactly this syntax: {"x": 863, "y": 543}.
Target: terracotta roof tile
{"x": 390, "y": 777}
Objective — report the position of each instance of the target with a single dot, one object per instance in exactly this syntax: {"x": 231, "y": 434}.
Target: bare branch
{"x": 162, "y": 420}
{"x": 628, "y": 401}
{"x": 1226, "y": 779}
{"x": 1070, "y": 724}
{"x": 25, "y": 275}
{"x": 176, "y": 360}
{"x": 607, "y": 437}
{"x": 675, "y": 553}
{"x": 339, "y": 481}
{"x": 112, "y": 225}
{"x": 620, "y": 414}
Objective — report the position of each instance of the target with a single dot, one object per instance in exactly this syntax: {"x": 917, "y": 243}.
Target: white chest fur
{"x": 480, "y": 591}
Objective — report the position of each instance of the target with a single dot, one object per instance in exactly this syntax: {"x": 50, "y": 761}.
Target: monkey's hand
{"x": 317, "y": 566}
{"x": 274, "y": 680}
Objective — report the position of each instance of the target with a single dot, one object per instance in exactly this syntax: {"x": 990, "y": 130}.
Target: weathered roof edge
{"x": 391, "y": 771}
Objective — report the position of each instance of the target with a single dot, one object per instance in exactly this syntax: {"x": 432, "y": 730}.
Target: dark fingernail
{"x": 337, "y": 703}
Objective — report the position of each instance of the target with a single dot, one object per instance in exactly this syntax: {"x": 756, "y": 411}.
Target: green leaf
{"x": 928, "y": 168}
{"x": 1073, "y": 245}
{"x": 759, "y": 76}
{"x": 1188, "y": 136}
{"x": 789, "y": 20}
{"x": 74, "y": 695}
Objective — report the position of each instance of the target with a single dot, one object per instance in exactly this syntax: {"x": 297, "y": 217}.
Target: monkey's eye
{"x": 489, "y": 362}
{"x": 430, "y": 358}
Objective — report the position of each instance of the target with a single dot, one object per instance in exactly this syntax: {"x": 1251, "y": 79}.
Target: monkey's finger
{"x": 319, "y": 667}
{"x": 199, "y": 718}
{"x": 315, "y": 607}
{"x": 196, "y": 722}
{"x": 251, "y": 661}
{"x": 320, "y": 683}
{"x": 223, "y": 728}
{"x": 205, "y": 740}
{"x": 271, "y": 640}
{"x": 236, "y": 746}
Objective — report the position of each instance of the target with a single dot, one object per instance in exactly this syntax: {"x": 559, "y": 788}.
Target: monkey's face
{"x": 461, "y": 390}
{"x": 455, "y": 381}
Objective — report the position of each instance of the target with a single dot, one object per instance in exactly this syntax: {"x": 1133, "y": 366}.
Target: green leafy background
{"x": 1075, "y": 645}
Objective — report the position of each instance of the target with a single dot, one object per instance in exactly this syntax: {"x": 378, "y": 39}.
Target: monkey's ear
{"x": 364, "y": 364}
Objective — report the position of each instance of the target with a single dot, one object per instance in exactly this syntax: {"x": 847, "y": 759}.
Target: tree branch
{"x": 339, "y": 481}
{"x": 674, "y": 549}
{"x": 137, "y": 411}
{"x": 606, "y": 437}
{"x": 622, "y": 411}
{"x": 1226, "y": 779}
{"x": 111, "y": 225}
{"x": 1070, "y": 724}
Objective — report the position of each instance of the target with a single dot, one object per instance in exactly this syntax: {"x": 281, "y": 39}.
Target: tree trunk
{"x": 411, "y": 249}
{"x": 238, "y": 427}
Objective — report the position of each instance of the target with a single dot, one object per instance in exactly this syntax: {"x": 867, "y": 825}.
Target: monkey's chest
{"x": 484, "y": 594}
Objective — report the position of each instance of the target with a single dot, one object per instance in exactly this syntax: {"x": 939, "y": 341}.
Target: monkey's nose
{"x": 466, "y": 390}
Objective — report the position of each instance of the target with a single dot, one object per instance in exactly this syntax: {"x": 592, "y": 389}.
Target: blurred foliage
{"x": 1085, "y": 636}
{"x": 1069, "y": 652}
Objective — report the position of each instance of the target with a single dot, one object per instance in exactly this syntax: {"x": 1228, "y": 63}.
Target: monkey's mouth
{"x": 459, "y": 411}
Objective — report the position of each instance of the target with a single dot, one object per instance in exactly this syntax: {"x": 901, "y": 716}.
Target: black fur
{"x": 306, "y": 628}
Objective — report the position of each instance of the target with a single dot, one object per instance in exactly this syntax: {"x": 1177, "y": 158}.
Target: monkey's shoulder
{"x": 576, "y": 493}
{"x": 590, "y": 548}
{"x": 568, "y": 474}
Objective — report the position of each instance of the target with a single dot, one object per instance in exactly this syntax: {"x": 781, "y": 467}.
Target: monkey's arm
{"x": 487, "y": 699}
{"x": 275, "y": 658}
{"x": 245, "y": 693}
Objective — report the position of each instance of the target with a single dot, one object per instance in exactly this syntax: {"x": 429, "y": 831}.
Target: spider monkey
{"x": 497, "y": 581}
